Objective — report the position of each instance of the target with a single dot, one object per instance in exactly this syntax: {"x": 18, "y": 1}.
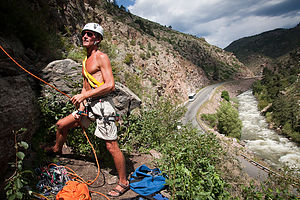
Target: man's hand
{"x": 77, "y": 116}
{"x": 77, "y": 99}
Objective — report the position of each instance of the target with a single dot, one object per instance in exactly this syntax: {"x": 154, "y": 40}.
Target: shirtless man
{"x": 93, "y": 97}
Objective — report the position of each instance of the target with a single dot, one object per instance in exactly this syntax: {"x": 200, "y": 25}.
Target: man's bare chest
{"x": 92, "y": 68}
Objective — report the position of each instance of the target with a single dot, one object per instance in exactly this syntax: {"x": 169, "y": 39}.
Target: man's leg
{"x": 63, "y": 126}
{"x": 119, "y": 160}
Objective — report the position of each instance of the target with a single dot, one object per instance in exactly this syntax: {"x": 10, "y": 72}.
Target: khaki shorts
{"x": 105, "y": 131}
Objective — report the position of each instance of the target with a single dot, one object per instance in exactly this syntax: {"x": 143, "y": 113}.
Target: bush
{"x": 275, "y": 187}
{"x": 143, "y": 56}
{"x": 128, "y": 59}
{"x": 189, "y": 159}
{"x": 229, "y": 123}
{"x": 225, "y": 95}
{"x": 151, "y": 127}
{"x": 211, "y": 119}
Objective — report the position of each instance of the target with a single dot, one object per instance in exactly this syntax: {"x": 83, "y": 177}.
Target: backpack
{"x": 74, "y": 190}
{"x": 146, "y": 181}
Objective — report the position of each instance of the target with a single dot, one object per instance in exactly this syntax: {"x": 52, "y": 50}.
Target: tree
{"x": 225, "y": 95}
{"x": 229, "y": 123}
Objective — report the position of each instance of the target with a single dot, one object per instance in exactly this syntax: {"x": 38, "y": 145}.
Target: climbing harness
{"x": 112, "y": 117}
{"x": 70, "y": 171}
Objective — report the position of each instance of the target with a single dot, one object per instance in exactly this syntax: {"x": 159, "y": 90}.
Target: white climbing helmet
{"x": 93, "y": 27}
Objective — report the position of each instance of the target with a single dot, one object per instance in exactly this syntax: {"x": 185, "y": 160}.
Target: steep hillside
{"x": 150, "y": 59}
{"x": 260, "y": 50}
{"x": 279, "y": 95}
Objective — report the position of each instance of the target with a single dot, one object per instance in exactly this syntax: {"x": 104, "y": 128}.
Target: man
{"x": 94, "y": 105}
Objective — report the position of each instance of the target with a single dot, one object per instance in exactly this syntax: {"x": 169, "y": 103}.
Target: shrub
{"x": 17, "y": 183}
{"x": 128, "y": 59}
{"x": 211, "y": 119}
{"x": 228, "y": 120}
{"x": 143, "y": 56}
{"x": 225, "y": 95}
{"x": 133, "y": 42}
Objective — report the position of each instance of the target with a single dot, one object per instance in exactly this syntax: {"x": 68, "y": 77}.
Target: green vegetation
{"x": 279, "y": 88}
{"x": 210, "y": 119}
{"x": 275, "y": 187}
{"x": 15, "y": 185}
{"x": 226, "y": 119}
{"x": 133, "y": 82}
{"x": 128, "y": 59}
{"x": 225, "y": 95}
{"x": 229, "y": 123}
{"x": 190, "y": 168}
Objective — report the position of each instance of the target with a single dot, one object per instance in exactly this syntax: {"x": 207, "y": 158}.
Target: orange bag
{"x": 74, "y": 190}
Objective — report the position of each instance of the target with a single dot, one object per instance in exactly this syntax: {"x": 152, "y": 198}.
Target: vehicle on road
{"x": 192, "y": 96}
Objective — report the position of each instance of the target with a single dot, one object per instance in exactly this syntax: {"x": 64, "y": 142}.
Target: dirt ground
{"x": 107, "y": 180}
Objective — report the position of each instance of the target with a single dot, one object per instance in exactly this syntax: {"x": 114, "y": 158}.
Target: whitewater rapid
{"x": 277, "y": 150}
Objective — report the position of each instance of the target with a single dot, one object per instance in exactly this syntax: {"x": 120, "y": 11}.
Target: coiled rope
{"x": 72, "y": 172}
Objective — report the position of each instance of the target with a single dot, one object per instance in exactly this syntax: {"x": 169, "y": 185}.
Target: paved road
{"x": 193, "y": 107}
{"x": 191, "y": 116}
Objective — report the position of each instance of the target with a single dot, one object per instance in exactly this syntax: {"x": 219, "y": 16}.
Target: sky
{"x": 220, "y": 22}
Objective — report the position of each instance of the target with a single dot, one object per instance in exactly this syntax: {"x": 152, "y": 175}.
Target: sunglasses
{"x": 89, "y": 34}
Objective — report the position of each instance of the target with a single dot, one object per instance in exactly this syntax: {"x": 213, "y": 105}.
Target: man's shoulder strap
{"x": 92, "y": 81}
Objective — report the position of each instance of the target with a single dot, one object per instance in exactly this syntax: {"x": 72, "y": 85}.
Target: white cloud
{"x": 220, "y": 21}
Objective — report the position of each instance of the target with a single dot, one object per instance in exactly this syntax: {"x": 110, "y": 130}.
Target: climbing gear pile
{"x": 51, "y": 179}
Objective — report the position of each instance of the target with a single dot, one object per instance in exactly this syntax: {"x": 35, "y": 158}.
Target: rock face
{"x": 17, "y": 110}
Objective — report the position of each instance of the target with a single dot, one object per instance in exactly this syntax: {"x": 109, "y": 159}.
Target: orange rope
{"x": 33, "y": 74}
{"x": 89, "y": 182}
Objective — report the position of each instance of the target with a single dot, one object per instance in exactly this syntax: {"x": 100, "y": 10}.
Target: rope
{"x": 33, "y": 74}
{"x": 89, "y": 182}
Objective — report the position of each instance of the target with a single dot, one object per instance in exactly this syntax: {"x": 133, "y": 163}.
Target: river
{"x": 276, "y": 150}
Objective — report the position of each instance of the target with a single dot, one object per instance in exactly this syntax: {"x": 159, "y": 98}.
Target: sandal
{"x": 125, "y": 188}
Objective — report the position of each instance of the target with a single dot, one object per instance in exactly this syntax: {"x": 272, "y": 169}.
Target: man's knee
{"x": 112, "y": 146}
{"x": 60, "y": 125}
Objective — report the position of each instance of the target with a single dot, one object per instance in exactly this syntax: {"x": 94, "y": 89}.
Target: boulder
{"x": 66, "y": 75}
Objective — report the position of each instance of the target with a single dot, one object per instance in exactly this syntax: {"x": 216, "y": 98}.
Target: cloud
{"x": 220, "y": 21}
